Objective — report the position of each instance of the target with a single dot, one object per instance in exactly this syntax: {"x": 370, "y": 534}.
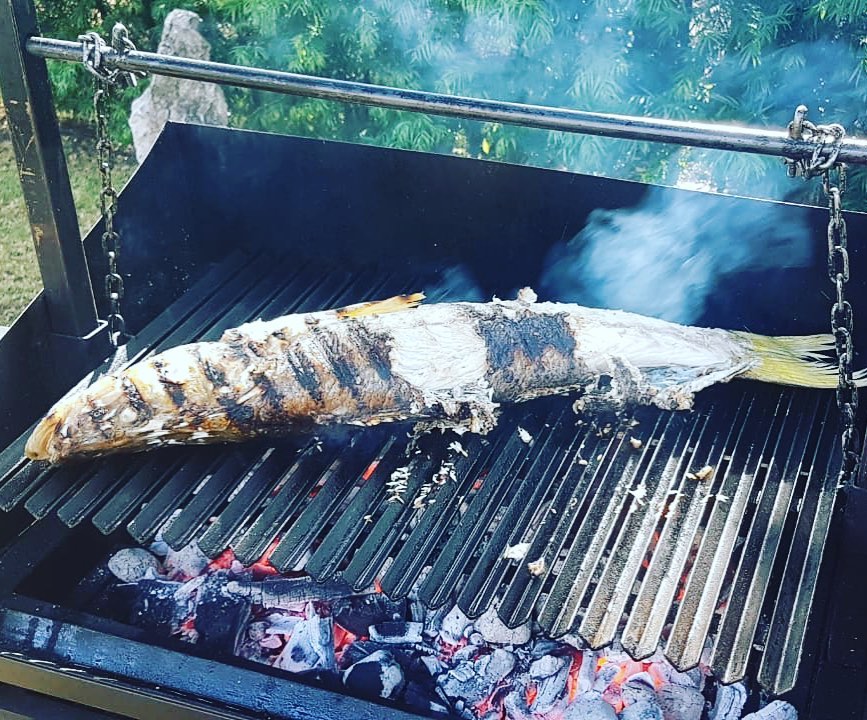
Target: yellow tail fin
{"x": 381, "y": 307}
{"x": 800, "y": 360}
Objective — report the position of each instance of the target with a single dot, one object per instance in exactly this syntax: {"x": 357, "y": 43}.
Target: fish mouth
{"x": 40, "y": 445}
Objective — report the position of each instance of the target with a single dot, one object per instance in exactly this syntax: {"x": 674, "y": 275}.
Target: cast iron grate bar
{"x": 629, "y": 538}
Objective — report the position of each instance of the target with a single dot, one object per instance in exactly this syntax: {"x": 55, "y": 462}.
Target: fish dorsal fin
{"x": 381, "y": 307}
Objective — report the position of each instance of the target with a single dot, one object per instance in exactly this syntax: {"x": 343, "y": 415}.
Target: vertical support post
{"x": 43, "y": 174}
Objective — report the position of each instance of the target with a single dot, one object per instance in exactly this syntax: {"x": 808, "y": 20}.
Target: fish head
{"x": 102, "y": 417}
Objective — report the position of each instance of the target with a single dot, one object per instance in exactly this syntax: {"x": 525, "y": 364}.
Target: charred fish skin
{"x": 450, "y": 363}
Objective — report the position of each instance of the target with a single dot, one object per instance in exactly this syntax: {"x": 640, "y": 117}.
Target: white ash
{"x": 454, "y": 625}
{"x": 134, "y": 564}
{"x": 777, "y": 710}
{"x": 642, "y": 710}
{"x": 186, "y": 563}
{"x": 472, "y": 682}
{"x": 589, "y": 706}
{"x": 680, "y": 702}
{"x": 310, "y": 646}
{"x": 730, "y": 701}
{"x": 496, "y": 632}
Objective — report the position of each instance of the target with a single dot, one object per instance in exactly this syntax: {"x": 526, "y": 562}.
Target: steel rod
{"x": 43, "y": 175}
{"x": 707, "y": 135}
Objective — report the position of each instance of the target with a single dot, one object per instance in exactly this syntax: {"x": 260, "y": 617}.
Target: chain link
{"x": 94, "y": 50}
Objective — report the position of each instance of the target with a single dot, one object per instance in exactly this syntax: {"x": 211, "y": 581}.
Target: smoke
{"x": 454, "y": 284}
{"x": 665, "y": 257}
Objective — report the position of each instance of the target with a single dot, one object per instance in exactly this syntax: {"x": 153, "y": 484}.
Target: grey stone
{"x": 174, "y": 99}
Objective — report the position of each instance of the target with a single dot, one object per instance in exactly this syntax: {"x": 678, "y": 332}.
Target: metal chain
{"x": 842, "y": 318}
{"x": 108, "y": 206}
{"x": 828, "y": 139}
{"x": 94, "y": 50}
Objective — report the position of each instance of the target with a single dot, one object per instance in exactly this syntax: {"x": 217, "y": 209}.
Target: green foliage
{"x": 727, "y": 60}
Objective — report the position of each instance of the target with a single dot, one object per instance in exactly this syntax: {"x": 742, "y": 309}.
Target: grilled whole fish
{"x": 449, "y": 363}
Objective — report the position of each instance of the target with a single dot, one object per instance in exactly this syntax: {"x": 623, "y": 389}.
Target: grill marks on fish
{"x": 172, "y": 387}
{"x": 529, "y": 353}
{"x": 345, "y": 370}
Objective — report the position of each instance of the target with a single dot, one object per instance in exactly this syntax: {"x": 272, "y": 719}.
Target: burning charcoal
{"x": 544, "y": 646}
{"x": 496, "y": 632}
{"x": 357, "y": 614}
{"x": 432, "y": 664}
{"x": 642, "y": 710}
{"x": 777, "y": 710}
{"x": 220, "y": 616}
{"x": 396, "y": 632}
{"x": 156, "y": 608}
{"x": 186, "y": 563}
{"x": 639, "y": 687}
{"x": 286, "y": 593}
{"x": 281, "y": 623}
{"x": 134, "y": 564}
{"x": 311, "y": 645}
{"x": 476, "y": 638}
{"x": 454, "y": 624}
{"x": 550, "y": 674}
{"x": 377, "y": 675}
{"x": 474, "y": 681}
{"x": 679, "y": 702}
{"x": 605, "y": 676}
{"x": 589, "y": 706}
{"x": 587, "y": 672}
{"x": 420, "y": 698}
{"x": 515, "y": 704}
{"x": 730, "y": 701}
{"x": 358, "y": 651}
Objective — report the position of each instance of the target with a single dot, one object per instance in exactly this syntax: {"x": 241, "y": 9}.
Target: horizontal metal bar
{"x": 707, "y": 135}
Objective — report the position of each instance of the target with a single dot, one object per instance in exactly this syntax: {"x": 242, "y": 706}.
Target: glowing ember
{"x": 370, "y": 470}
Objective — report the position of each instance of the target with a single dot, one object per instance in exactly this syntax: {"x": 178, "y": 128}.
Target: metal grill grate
{"x": 629, "y": 541}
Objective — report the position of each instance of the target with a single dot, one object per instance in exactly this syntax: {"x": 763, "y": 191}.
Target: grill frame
{"x": 436, "y": 249}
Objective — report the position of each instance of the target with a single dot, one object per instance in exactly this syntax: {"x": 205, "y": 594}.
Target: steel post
{"x": 43, "y": 174}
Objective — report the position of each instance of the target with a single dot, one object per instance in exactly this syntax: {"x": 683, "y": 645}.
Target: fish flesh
{"x": 451, "y": 364}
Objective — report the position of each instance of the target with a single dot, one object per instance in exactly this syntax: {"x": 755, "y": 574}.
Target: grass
{"x": 19, "y": 272}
